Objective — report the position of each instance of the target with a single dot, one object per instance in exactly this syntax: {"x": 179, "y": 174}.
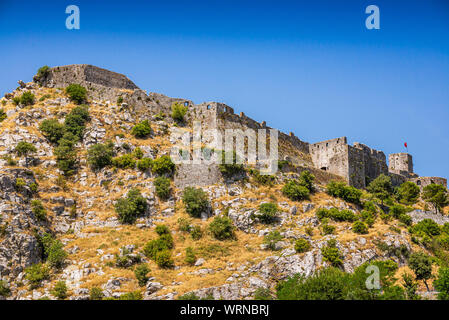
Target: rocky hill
{"x": 90, "y": 201}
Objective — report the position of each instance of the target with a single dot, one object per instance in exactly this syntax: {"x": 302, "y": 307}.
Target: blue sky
{"x": 310, "y": 67}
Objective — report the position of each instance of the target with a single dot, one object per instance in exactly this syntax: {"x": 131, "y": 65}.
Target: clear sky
{"x": 310, "y": 67}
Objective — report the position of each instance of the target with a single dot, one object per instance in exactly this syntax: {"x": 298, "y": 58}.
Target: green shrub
{"x": 408, "y": 193}
{"x": 268, "y": 212}
{"x": 95, "y": 294}
{"x": 189, "y": 296}
{"x": 27, "y": 98}
{"x": 196, "y": 233}
{"x": 131, "y": 207}
{"x": 100, "y": 155}
{"x": 38, "y": 210}
{"x": 56, "y": 254}
{"x": 271, "y": 239}
{"x": 295, "y": 191}
{"x": 178, "y": 111}
{"x": 41, "y": 74}
{"x": 24, "y": 148}
{"x": 119, "y": 100}
{"x": 141, "y": 273}
{"x": 20, "y": 184}
{"x": 441, "y": 283}
{"x": 154, "y": 246}
{"x": 4, "y": 289}
{"x": 163, "y": 165}
{"x": 36, "y": 273}
{"x": 264, "y": 179}
{"x": 359, "y": 227}
{"x": 135, "y": 295}
{"x": 396, "y": 210}
{"x": 368, "y": 217}
{"x": 164, "y": 260}
{"x": 436, "y": 195}
{"x": 125, "y": 161}
{"x": 302, "y": 245}
{"x": 306, "y": 179}
{"x": 162, "y": 186}
{"x": 3, "y": 115}
{"x": 138, "y": 153}
{"x": 343, "y": 191}
{"x": 52, "y": 130}
{"x": 222, "y": 228}
{"x": 230, "y": 169}
{"x": 75, "y": 121}
{"x": 426, "y": 226}
{"x": 332, "y": 254}
{"x": 76, "y": 93}
{"x": 142, "y": 129}
{"x": 195, "y": 201}
{"x": 336, "y": 215}
{"x": 421, "y": 264}
{"x": 327, "y": 229}
{"x": 144, "y": 164}
{"x": 190, "y": 256}
{"x": 405, "y": 219}
{"x": 162, "y": 229}
{"x": 381, "y": 187}
{"x": 262, "y": 294}
{"x": 60, "y": 290}
{"x": 325, "y": 284}
{"x": 34, "y": 187}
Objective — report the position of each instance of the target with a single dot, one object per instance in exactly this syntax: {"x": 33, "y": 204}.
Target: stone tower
{"x": 400, "y": 163}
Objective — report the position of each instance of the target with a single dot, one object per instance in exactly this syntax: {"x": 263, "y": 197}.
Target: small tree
{"x": 130, "y": 207}
{"x": 441, "y": 284}
{"x": 141, "y": 273}
{"x": 100, "y": 155}
{"x": 42, "y": 73}
{"x": 381, "y": 187}
{"x": 268, "y": 212}
{"x": 3, "y": 115}
{"x": 76, "y": 93}
{"x": 24, "y": 149}
{"x": 421, "y": 264}
{"x": 60, "y": 290}
{"x": 436, "y": 195}
{"x": 178, "y": 111}
{"x": 222, "y": 228}
{"x": 27, "y": 98}
{"x": 163, "y": 165}
{"x": 195, "y": 201}
{"x": 162, "y": 186}
{"x": 142, "y": 129}
{"x": 52, "y": 130}
{"x": 408, "y": 193}
{"x": 295, "y": 191}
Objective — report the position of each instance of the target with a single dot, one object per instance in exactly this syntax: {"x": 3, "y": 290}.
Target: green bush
{"x": 162, "y": 186}
{"x": 189, "y": 296}
{"x": 306, "y": 179}
{"x": 397, "y": 210}
{"x": 75, "y": 121}
{"x": 100, "y": 155}
{"x": 76, "y": 93}
{"x": 56, "y": 255}
{"x": 24, "y": 148}
{"x": 4, "y": 289}
{"x": 271, "y": 239}
{"x": 368, "y": 217}
{"x": 60, "y": 290}
{"x": 141, "y": 273}
{"x": 164, "y": 260}
{"x": 405, "y": 219}
{"x": 27, "y": 98}
{"x": 142, "y": 129}
{"x": 426, "y": 226}
{"x": 138, "y": 153}
{"x": 144, "y": 164}
{"x": 359, "y": 227}
{"x": 38, "y": 210}
{"x": 436, "y": 195}
{"x": 421, "y": 264}
{"x": 332, "y": 254}
{"x": 190, "y": 256}
{"x": 125, "y": 161}
{"x": 336, "y": 215}
{"x": 262, "y": 294}
{"x": 119, "y": 100}
{"x": 408, "y": 193}
{"x": 196, "y": 233}
{"x": 295, "y": 191}
{"x": 163, "y": 165}
{"x": 154, "y": 246}
{"x": 343, "y": 191}
{"x": 327, "y": 229}
{"x": 222, "y": 228}
{"x": 131, "y": 207}
{"x": 135, "y": 295}
{"x": 178, "y": 111}
{"x": 441, "y": 283}
{"x": 381, "y": 187}
{"x": 268, "y": 212}
{"x": 36, "y": 273}
{"x": 302, "y": 245}
{"x": 3, "y": 115}
{"x": 20, "y": 184}
{"x": 162, "y": 229}
{"x": 95, "y": 294}
{"x": 264, "y": 179}
{"x": 195, "y": 201}
{"x": 41, "y": 74}
{"x": 52, "y": 130}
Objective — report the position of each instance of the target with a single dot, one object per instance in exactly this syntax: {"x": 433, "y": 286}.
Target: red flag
{"x": 405, "y": 144}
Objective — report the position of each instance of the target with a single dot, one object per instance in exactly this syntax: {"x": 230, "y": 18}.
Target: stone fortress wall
{"x": 357, "y": 164}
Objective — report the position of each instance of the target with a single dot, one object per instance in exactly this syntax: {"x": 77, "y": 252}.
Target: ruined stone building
{"x": 357, "y": 164}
